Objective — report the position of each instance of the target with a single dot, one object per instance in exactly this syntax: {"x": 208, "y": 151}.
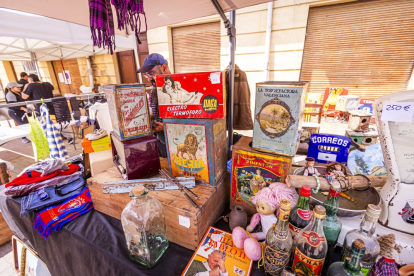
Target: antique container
{"x": 191, "y": 95}
{"x": 252, "y": 170}
{"x": 128, "y": 108}
{"x": 347, "y": 103}
{"x": 359, "y": 120}
{"x": 326, "y": 148}
{"x": 279, "y": 115}
{"x": 197, "y": 148}
{"x": 137, "y": 158}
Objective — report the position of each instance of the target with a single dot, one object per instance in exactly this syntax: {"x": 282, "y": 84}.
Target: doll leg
{"x": 239, "y": 236}
{"x": 253, "y": 249}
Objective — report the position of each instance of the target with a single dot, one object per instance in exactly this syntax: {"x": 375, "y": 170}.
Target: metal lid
{"x": 305, "y": 191}
{"x": 319, "y": 212}
{"x": 373, "y": 212}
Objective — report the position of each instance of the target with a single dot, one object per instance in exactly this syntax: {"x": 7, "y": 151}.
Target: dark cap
{"x": 305, "y": 191}
{"x": 310, "y": 159}
{"x": 151, "y": 61}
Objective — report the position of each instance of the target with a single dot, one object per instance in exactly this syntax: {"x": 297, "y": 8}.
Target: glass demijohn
{"x": 143, "y": 223}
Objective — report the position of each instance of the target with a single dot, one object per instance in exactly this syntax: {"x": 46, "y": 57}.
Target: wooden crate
{"x": 186, "y": 224}
{"x": 5, "y": 232}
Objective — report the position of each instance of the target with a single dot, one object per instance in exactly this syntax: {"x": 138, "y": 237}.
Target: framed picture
{"x": 27, "y": 261}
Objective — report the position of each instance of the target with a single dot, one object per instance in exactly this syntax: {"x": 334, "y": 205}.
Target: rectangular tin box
{"x": 192, "y": 95}
{"x": 278, "y": 116}
{"x": 252, "y": 171}
{"x": 137, "y": 158}
{"x": 197, "y": 148}
{"x": 128, "y": 108}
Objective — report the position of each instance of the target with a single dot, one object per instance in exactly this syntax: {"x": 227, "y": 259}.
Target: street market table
{"x": 94, "y": 244}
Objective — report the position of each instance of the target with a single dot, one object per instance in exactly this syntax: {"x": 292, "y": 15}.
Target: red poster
{"x": 192, "y": 95}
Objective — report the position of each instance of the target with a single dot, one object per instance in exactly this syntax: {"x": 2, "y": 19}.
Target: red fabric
{"x": 36, "y": 176}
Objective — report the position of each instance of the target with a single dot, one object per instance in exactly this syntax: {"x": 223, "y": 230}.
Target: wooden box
{"x": 192, "y": 95}
{"x": 186, "y": 225}
{"x": 279, "y": 115}
{"x": 5, "y": 232}
{"x": 197, "y": 148}
{"x": 252, "y": 171}
{"x": 128, "y": 109}
{"x": 359, "y": 121}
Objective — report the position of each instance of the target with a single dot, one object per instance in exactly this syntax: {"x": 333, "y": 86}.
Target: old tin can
{"x": 191, "y": 95}
{"x": 197, "y": 148}
{"x": 128, "y": 108}
{"x": 279, "y": 115}
{"x": 252, "y": 171}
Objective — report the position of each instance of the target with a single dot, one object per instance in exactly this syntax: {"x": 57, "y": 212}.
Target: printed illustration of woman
{"x": 257, "y": 182}
{"x": 175, "y": 94}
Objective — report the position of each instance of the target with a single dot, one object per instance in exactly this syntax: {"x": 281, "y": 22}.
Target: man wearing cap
{"x": 17, "y": 113}
{"x": 155, "y": 64}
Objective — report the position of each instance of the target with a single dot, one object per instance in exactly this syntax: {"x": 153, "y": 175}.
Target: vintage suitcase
{"x": 192, "y": 95}
{"x": 128, "y": 108}
{"x": 327, "y": 148}
{"x": 137, "y": 158}
{"x": 252, "y": 170}
{"x": 279, "y": 115}
{"x": 197, "y": 148}
{"x": 186, "y": 225}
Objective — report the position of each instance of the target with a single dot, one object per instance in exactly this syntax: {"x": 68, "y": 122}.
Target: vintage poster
{"x": 220, "y": 147}
{"x": 192, "y": 95}
{"x": 216, "y": 252}
{"x": 279, "y": 114}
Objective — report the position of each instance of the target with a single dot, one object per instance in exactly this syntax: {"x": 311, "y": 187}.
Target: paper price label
{"x": 239, "y": 271}
{"x": 397, "y": 111}
{"x": 184, "y": 221}
{"x": 215, "y": 77}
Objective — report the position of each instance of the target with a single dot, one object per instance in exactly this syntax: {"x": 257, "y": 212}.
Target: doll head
{"x": 336, "y": 167}
{"x": 310, "y": 162}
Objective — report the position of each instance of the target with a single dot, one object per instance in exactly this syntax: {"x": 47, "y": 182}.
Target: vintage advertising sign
{"x": 279, "y": 115}
{"x": 197, "y": 148}
{"x": 326, "y": 148}
{"x": 192, "y": 95}
{"x": 128, "y": 109}
{"x": 252, "y": 171}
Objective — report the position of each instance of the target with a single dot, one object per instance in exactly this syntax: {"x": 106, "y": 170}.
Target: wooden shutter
{"x": 196, "y": 48}
{"x": 366, "y": 47}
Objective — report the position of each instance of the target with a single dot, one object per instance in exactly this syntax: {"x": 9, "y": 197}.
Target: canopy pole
{"x": 231, "y": 32}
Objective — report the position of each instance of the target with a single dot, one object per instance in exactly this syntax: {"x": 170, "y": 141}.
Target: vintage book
{"x": 252, "y": 171}
{"x": 191, "y": 95}
{"x": 197, "y": 148}
{"x": 218, "y": 244}
{"x": 278, "y": 116}
{"x": 128, "y": 108}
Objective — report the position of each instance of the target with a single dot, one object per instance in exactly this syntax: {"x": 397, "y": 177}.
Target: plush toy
{"x": 267, "y": 202}
{"x": 389, "y": 250}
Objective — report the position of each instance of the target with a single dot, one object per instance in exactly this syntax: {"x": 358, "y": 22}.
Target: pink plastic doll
{"x": 267, "y": 202}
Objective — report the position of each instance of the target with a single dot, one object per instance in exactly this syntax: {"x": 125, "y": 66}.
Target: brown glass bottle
{"x": 300, "y": 215}
{"x": 311, "y": 246}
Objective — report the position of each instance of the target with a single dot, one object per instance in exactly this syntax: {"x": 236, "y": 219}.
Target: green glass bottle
{"x": 331, "y": 225}
{"x": 300, "y": 215}
{"x": 352, "y": 264}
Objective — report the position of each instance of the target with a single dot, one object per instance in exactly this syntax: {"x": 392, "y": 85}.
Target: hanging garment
{"x": 102, "y": 24}
{"x": 100, "y": 112}
{"x": 128, "y": 13}
{"x": 56, "y": 146}
{"x": 38, "y": 137}
{"x": 53, "y": 218}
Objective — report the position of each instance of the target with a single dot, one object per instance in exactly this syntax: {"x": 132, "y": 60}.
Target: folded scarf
{"x": 54, "y": 217}
{"x": 33, "y": 176}
{"x": 102, "y": 24}
{"x": 128, "y": 12}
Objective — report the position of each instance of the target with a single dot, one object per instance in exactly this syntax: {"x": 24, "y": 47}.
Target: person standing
{"x": 17, "y": 113}
{"x": 37, "y": 90}
{"x": 23, "y": 79}
{"x": 155, "y": 64}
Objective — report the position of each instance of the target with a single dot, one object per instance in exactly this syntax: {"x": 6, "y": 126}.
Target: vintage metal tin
{"x": 197, "y": 148}
{"x": 252, "y": 171}
{"x": 326, "y": 148}
{"x": 128, "y": 108}
{"x": 279, "y": 115}
{"x": 191, "y": 95}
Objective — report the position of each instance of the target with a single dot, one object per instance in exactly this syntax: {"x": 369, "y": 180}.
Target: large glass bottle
{"x": 278, "y": 242}
{"x": 331, "y": 225}
{"x": 352, "y": 265}
{"x": 144, "y": 227}
{"x": 300, "y": 215}
{"x": 311, "y": 246}
{"x": 365, "y": 233}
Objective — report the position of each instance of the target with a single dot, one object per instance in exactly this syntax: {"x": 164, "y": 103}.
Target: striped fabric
{"x": 56, "y": 146}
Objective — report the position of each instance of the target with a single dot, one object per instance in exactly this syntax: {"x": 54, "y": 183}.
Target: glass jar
{"x": 143, "y": 223}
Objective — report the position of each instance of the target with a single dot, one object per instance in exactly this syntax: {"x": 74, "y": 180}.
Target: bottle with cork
{"x": 300, "y": 215}
{"x": 352, "y": 265}
{"x": 143, "y": 223}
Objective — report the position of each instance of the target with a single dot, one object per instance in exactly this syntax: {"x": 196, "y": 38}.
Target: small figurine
{"x": 267, "y": 201}
{"x": 336, "y": 170}
{"x": 386, "y": 266}
{"x": 309, "y": 168}
{"x": 257, "y": 182}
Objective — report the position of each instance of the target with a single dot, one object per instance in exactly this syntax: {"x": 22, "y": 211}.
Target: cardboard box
{"x": 100, "y": 161}
{"x": 197, "y": 148}
{"x": 252, "y": 171}
{"x": 96, "y": 145}
{"x": 128, "y": 108}
{"x": 192, "y": 95}
{"x": 279, "y": 115}
{"x": 186, "y": 225}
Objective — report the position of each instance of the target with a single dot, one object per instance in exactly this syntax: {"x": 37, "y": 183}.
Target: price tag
{"x": 184, "y": 221}
{"x": 397, "y": 111}
{"x": 215, "y": 78}
{"x": 239, "y": 271}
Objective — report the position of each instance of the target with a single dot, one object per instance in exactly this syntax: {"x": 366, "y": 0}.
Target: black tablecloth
{"x": 94, "y": 244}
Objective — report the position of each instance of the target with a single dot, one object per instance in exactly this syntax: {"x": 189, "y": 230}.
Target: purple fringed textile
{"x": 128, "y": 12}
{"x": 102, "y": 24}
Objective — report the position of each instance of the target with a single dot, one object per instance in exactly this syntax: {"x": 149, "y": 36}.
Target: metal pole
{"x": 232, "y": 39}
